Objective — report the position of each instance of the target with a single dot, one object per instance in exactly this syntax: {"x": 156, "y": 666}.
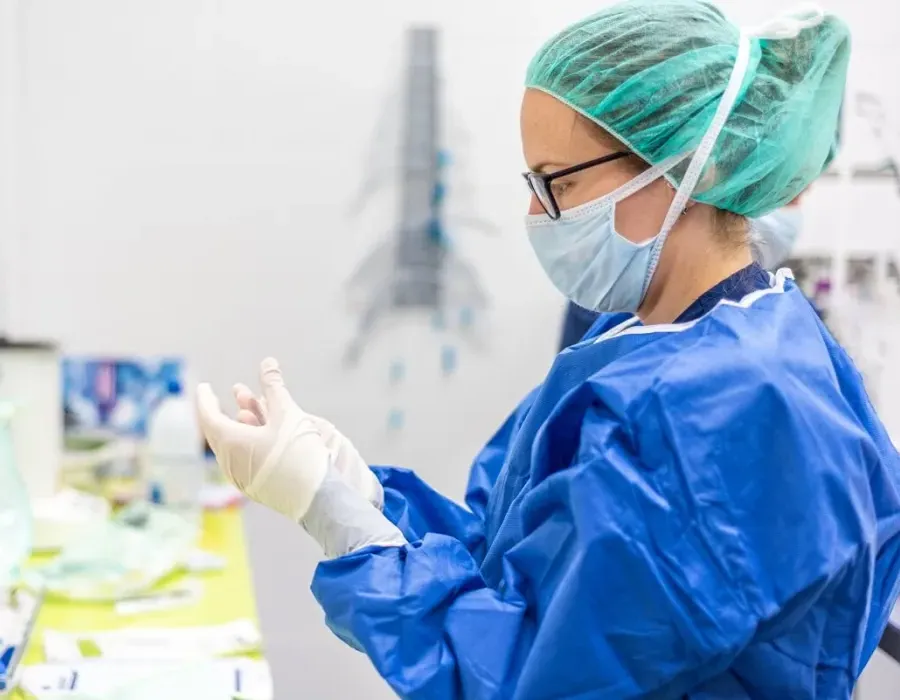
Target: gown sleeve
{"x": 642, "y": 571}
{"x": 417, "y": 509}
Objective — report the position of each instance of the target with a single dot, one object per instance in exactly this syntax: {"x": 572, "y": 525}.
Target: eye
{"x": 559, "y": 187}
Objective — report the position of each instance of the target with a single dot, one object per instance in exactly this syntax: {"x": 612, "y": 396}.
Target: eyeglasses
{"x": 539, "y": 183}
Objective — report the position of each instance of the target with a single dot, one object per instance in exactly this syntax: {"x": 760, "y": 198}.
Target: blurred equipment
{"x": 110, "y": 404}
{"x": 30, "y": 381}
{"x": 116, "y": 395}
{"x": 417, "y": 269}
{"x": 871, "y": 109}
{"x": 18, "y": 613}
{"x": 884, "y": 128}
{"x": 18, "y": 609}
{"x": 175, "y": 467}
{"x": 122, "y": 557}
{"x": 65, "y": 517}
{"x": 15, "y": 510}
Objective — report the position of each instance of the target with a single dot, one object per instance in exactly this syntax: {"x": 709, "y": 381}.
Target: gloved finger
{"x": 216, "y": 426}
{"x": 327, "y": 430}
{"x": 247, "y": 401}
{"x": 247, "y": 417}
{"x": 277, "y": 397}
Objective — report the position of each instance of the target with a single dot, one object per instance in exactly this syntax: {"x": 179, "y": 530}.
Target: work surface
{"x": 276, "y": 560}
{"x": 228, "y": 594}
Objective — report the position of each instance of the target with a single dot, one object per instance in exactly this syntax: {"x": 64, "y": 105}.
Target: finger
{"x": 326, "y": 429}
{"x": 242, "y": 395}
{"x": 212, "y": 420}
{"x": 246, "y": 401}
{"x": 277, "y": 397}
{"x": 247, "y": 417}
{"x": 216, "y": 425}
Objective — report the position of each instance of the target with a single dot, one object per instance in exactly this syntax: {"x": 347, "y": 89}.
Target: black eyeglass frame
{"x": 542, "y": 181}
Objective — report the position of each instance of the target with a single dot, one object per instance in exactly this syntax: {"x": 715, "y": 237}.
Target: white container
{"x": 31, "y": 380}
{"x": 175, "y": 468}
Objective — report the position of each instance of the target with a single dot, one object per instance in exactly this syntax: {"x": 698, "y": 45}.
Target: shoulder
{"x": 739, "y": 455}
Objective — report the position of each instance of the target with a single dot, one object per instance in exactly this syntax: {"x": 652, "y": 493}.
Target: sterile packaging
{"x": 66, "y": 517}
{"x": 97, "y": 679}
{"x": 123, "y": 557}
{"x": 15, "y": 509}
{"x": 155, "y": 644}
{"x": 31, "y": 383}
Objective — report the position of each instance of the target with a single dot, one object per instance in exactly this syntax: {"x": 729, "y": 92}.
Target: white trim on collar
{"x": 631, "y": 326}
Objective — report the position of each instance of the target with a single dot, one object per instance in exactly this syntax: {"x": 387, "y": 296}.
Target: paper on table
{"x": 219, "y": 679}
{"x": 186, "y": 593}
{"x": 160, "y": 643}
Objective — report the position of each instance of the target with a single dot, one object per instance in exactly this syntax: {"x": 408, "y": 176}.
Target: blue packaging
{"x": 116, "y": 395}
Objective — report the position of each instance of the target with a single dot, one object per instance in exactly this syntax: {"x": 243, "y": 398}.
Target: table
{"x": 227, "y": 594}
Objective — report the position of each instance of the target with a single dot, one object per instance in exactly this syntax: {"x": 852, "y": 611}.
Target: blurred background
{"x": 184, "y": 178}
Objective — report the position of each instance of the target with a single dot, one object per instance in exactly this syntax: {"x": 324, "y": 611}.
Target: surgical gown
{"x": 706, "y": 509}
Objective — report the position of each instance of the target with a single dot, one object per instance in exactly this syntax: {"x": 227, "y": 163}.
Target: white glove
{"x": 280, "y": 464}
{"x": 278, "y": 457}
{"x": 344, "y": 457}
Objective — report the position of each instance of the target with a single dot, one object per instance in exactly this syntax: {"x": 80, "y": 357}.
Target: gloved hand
{"x": 344, "y": 457}
{"x": 281, "y": 460}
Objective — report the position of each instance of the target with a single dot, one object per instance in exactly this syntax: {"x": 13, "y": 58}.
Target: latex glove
{"x": 280, "y": 464}
{"x": 344, "y": 456}
{"x": 283, "y": 462}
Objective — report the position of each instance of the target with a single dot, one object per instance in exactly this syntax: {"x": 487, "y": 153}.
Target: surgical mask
{"x": 773, "y": 236}
{"x": 587, "y": 259}
{"x": 581, "y": 252}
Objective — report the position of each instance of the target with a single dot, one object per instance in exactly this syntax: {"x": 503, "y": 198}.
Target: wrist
{"x": 375, "y": 492}
{"x": 343, "y": 521}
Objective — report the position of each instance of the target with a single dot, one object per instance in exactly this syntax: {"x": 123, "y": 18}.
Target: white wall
{"x": 186, "y": 169}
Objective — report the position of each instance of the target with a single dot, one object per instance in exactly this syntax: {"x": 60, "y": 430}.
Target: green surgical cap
{"x": 652, "y": 72}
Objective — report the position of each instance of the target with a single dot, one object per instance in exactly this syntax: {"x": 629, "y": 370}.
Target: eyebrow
{"x": 543, "y": 165}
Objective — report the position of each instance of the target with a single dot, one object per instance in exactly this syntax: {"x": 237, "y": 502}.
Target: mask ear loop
{"x": 787, "y": 26}
{"x": 701, "y": 155}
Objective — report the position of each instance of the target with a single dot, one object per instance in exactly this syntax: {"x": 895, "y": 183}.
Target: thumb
{"x": 275, "y": 393}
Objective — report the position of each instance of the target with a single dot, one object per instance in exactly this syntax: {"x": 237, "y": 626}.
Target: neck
{"x": 691, "y": 264}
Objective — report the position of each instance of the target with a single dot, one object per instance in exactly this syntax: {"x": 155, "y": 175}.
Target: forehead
{"x": 554, "y": 132}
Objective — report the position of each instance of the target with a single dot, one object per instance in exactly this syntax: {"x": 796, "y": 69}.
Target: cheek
{"x": 589, "y": 190}
{"x": 640, "y": 217}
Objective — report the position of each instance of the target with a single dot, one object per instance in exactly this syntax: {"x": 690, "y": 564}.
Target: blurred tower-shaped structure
{"x": 416, "y": 270}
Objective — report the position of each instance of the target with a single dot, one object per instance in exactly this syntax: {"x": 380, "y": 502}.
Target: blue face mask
{"x": 587, "y": 260}
{"x": 773, "y": 236}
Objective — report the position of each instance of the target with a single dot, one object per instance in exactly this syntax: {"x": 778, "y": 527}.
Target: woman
{"x": 699, "y": 502}
{"x": 772, "y": 237}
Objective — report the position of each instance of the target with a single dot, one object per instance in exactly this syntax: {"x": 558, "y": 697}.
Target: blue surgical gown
{"x": 707, "y": 509}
